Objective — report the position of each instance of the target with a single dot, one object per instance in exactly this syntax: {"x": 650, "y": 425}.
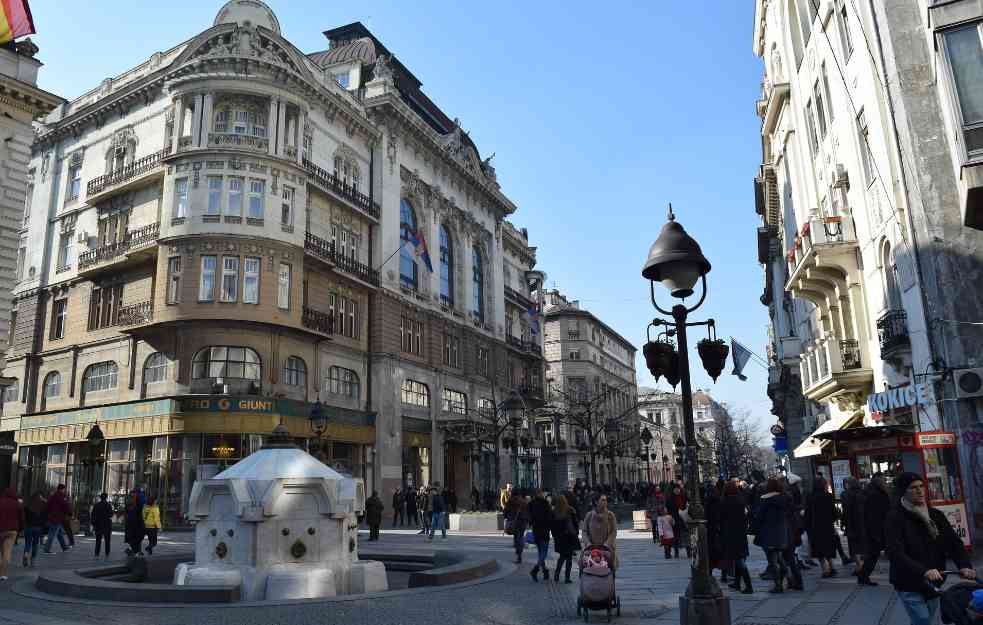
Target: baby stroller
{"x": 597, "y": 590}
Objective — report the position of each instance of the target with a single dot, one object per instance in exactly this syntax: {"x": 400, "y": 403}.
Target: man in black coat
{"x": 102, "y": 522}
{"x": 541, "y": 518}
{"x": 919, "y": 541}
{"x": 399, "y": 504}
{"x": 876, "y": 506}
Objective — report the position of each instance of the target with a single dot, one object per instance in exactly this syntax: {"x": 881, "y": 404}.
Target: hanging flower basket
{"x": 713, "y": 353}
{"x": 658, "y": 355}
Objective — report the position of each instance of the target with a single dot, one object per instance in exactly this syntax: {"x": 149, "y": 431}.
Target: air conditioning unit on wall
{"x": 969, "y": 382}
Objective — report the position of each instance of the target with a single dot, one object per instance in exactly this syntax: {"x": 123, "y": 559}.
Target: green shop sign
{"x": 153, "y": 408}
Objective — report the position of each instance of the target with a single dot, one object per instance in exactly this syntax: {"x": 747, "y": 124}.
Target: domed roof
{"x": 279, "y": 463}
{"x": 252, "y": 11}
{"x": 361, "y": 49}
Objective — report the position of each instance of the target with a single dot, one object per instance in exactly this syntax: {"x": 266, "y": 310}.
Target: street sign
{"x": 780, "y": 444}
{"x": 778, "y": 430}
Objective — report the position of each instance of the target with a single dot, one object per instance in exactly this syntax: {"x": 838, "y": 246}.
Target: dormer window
{"x": 342, "y": 79}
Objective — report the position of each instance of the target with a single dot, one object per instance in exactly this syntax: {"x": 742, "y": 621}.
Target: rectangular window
{"x": 339, "y": 319}
{"x": 174, "y": 280}
{"x": 482, "y": 361}
{"x": 206, "y": 287}
{"x": 59, "y": 315}
{"x": 235, "y": 196}
{"x": 250, "y": 280}
{"x": 222, "y": 121}
{"x": 214, "y": 195}
{"x": 820, "y": 109}
{"x": 352, "y": 318}
{"x": 863, "y": 138}
{"x": 452, "y": 351}
{"x": 811, "y": 126}
{"x": 66, "y": 250}
{"x": 256, "y": 192}
{"x": 104, "y": 304}
{"x": 829, "y": 95}
{"x": 241, "y": 120}
{"x": 74, "y": 182}
{"x": 454, "y": 401}
{"x": 287, "y": 207}
{"x": 21, "y": 259}
{"x": 575, "y": 354}
{"x": 180, "y": 198}
{"x": 845, "y": 37}
{"x": 965, "y": 55}
{"x": 283, "y": 287}
{"x": 342, "y": 79}
{"x": 230, "y": 278}
{"x": 412, "y": 336}
{"x": 28, "y": 200}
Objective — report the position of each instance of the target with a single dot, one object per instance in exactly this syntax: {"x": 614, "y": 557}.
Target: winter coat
{"x": 734, "y": 522}
{"x": 151, "y": 517}
{"x": 410, "y": 504}
{"x": 603, "y": 531}
{"x": 398, "y": 501}
{"x": 542, "y": 519}
{"x": 877, "y": 505}
{"x": 819, "y": 520}
{"x": 57, "y": 508}
{"x": 35, "y": 519}
{"x": 714, "y": 512}
{"x": 564, "y": 531}
{"x": 438, "y": 504}
{"x": 664, "y": 525}
{"x": 134, "y": 529}
{"x": 853, "y": 502}
{"x": 793, "y": 515}
{"x": 913, "y": 550}
{"x": 373, "y": 510}
{"x": 11, "y": 512}
{"x": 102, "y": 516}
{"x": 772, "y": 522}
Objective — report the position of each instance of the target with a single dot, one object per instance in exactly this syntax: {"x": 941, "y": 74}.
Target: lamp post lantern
{"x": 646, "y": 437}
{"x": 676, "y": 261}
{"x": 318, "y": 419}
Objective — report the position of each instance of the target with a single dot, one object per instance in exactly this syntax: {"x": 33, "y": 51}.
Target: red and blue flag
{"x": 420, "y": 249}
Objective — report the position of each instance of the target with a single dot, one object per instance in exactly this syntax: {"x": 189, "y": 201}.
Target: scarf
{"x": 922, "y": 513}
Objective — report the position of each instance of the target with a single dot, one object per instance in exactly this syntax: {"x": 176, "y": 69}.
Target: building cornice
{"x": 27, "y": 98}
{"x": 557, "y": 312}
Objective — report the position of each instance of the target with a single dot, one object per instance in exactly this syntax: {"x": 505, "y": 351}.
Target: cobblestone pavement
{"x": 648, "y": 584}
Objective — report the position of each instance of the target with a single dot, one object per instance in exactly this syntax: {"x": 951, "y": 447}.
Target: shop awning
{"x": 862, "y": 433}
{"x": 813, "y": 444}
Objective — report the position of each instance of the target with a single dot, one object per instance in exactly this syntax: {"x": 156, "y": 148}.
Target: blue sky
{"x": 597, "y": 122}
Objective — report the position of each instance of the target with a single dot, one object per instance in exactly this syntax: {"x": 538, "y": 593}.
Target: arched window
{"x": 415, "y": 394}
{"x": 477, "y": 284}
{"x": 101, "y": 376}
{"x": 295, "y": 372}
{"x": 454, "y": 401}
{"x": 892, "y": 295}
{"x": 226, "y": 362}
{"x": 446, "y": 268}
{"x": 52, "y": 385}
{"x": 155, "y": 368}
{"x": 343, "y": 382}
{"x": 407, "y": 231}
{"x": 794, "y": 26}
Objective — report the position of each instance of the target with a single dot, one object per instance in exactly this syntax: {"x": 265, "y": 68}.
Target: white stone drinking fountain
{"x": 280, "y": 525}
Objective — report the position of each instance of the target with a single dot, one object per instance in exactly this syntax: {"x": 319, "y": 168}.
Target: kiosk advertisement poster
{"x": 956, "y": 514}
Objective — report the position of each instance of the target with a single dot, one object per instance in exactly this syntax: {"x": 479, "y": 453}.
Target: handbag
{"x": 530, "y": 537}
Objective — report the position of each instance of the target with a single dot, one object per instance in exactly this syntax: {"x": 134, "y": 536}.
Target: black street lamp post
{"x": 318, "y": 419}
{"x": 675, "y": 260}
{"x": 646, "y": 437}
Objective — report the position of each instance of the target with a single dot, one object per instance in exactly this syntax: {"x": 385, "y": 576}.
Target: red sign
{"x": 926, "y": 439}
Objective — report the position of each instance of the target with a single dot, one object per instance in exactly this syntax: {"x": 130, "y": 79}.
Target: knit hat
{"x": 903, "y": 481}
{"x": 976, "y": 603}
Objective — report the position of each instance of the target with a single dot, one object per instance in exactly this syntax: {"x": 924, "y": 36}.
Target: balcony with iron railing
{"x": 137, "y": 245}
{"x": 892, "y": 332}
{"x": 826, "y": 246}
{"x": 135, "y": 314}
{"x": 125, "y": 177}
{"x": 831, "y": 366}
{"x": 324, "y": 250}
{"x": 341, "y": 189}
{"x": 518, "y": 297}
{"x": 318, "y": 321}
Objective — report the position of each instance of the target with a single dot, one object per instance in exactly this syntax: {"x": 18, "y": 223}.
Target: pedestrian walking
{"x": 398, "y": 502}
{"x": 438, "y": 507}
{"x": 102, "y": 522}
{"x": 56, "y": 511}
{"x": 820, "y": 517}
{"x": 772, "y": 535}
{"x": 412, "y": 516}
{"x": 601, "y": 528}
{"x": 133, "y": 528}
{"x": 373, "y": 515}
{"x": 677, "y": 503}
{"x": 713, "y": 509}
{"x": 34, "y": 521}
{"x": 876, "y": 506}
{"x": 566, "y": 539}
{"x": 541, "y": 519}
{"x": 852, "y": 501}
{"x": 663, "y": 524}
{"x": 794, "y": 511}
{"x": 518, "y": 511}
{"x": 734, "y": 530}
{"x": 654, "y": 506}
{"x": 151, "y": 523}
{"x": 919, "y": 541}
{"x": 11, "y": 523}
{"x": 425, "y": 502}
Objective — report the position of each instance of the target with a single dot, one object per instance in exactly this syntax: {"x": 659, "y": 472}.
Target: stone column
{"x": 281, "y": 127}
{"x": 271, "y": 126}
{"x": 207, "y": 117}
{"x": 301, "y": 123}
{"x": 196, "y": 122}
{"x": 178, "y": 124}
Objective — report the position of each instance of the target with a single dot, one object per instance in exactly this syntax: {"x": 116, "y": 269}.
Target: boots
{"x": 556, "y": 573}
{"x": 746, "y": 576}
{"x": 546, "y": 574}
{"x": 534, "y": 573}
{"x": 779, "y": 586}
{"x": 566, "y": 575}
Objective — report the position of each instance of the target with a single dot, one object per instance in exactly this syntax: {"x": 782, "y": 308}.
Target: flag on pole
{"x": 533, "y": 312}
{"x": 15, "y": 20}
{"x": 418, "y": 242}
{"x": 741, "y": 356}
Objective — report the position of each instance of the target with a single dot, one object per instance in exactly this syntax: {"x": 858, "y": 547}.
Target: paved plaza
{"x": 648, "y": 584}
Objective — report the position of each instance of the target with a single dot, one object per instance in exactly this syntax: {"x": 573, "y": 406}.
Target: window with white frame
{"x": 52, "y": 385}
{"x": 74, "y": 181}
{"x": 452, "y": 350}
{"x": 250, "y": 280}
{"x": 863, "y": 138}
{"x": 155, "y": 369}
{"x": 240, "y": 117}
{"x": 174, "y": 280}
{"x": 180, "y": 198}
{"x": 66, "y": 249}
{"x": 257, "y": 190}
{"x": 829, "y": 97}
{"x": 454, "y": 401}
{"x": 241, "y": 363}
{"x": 811, "y": 128}
{"x": 342, "y": 382}
{"x": 283, "y": 287}
{"x": 214, "y": 206}
{"x": 235, "y": 196}
{"x": 820, "y": 109}
{"x": 964, "y": 53}
{"x": 575, "y": 354}
{"x": 206, "y": 286}
{"x": 845, "y": 38}
{"x": 230, "y": 278}
{"x": 415, "y": 393}
{"x": 287, "y": 207}
{"x": 100, "y": 377}
{"x": 295, "y": 372}
{"x": 342, "y": 79}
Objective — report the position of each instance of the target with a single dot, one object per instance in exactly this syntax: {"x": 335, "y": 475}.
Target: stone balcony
{"x": 325, "y": 251}
{"x": 136, "y": 247}
{"x": 238, "y": 141}
{"x": 824, "y": 254}
{"x": 833, "y": 369}
{"x": 135, "y": 174}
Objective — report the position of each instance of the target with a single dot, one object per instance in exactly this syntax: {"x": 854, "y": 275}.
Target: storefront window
{"x": 942, "y": 473}
{"x": 886, "y": 463}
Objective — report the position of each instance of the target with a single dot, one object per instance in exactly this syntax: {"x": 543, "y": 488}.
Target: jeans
{"x": 542, "y": 552}
{"x": 776, "y": 562}
{"x": 921, "y": 611}
{"x": 103, "y": 535}
{"x": 437, "y": 521}
{"x": 32, "y": 538}
{"x": 152, "y": 538}
{"x": 56, "y": 530}
{"x": 519, "y": 539}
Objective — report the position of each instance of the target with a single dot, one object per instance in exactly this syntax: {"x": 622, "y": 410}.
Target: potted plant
{"x": 713, "y": 353}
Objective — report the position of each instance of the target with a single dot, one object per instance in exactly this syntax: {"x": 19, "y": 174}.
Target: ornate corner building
{"x": 233, "y": 230}
{"x": 867, "y": 203}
